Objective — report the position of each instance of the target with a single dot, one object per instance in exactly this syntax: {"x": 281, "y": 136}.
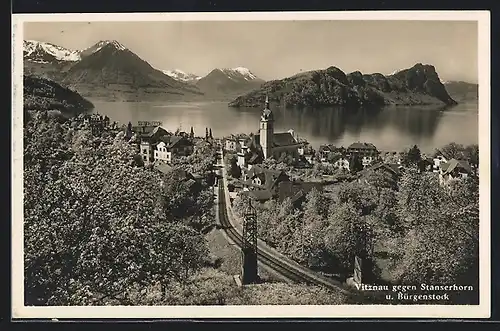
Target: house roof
{"x": 181, "y": 174}
{"x": 267, "y": 175}
{"x": 280, "y": 139}
{"x": 174, "y": 141}
{"x": 148, "y": 132}
{"x": 392, "y": 168}
{"x": 295, "y": 190}
{"x": 284, "y": 139}
{"x": 443, "y": 153}
{"x": 254, "y": 158}
{"x": 453, "y": 164}
{"x": 327, "y": 148}
{"x": 190, "y": 182}
{"x": 359, "y": 145}
{"x": 336, "y": 157}
{"x": 162, "y": 167}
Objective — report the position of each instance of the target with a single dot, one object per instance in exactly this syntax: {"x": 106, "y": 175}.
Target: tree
{"x": 210, "y": 133}
{"x": 472, "y": 154}
{"x": 349, "y": 234}
{"x": 191, "y": 134}
{"x": 412, "y": 157}
{"x": 359, "y": 196}
{"x": 232, "y": 167}
{"x": 441, "y": 231}
{"x": 355, "y": 164}
{"x": 95, "y": 225}
{"x": 454, "y": 150}
{"x": 206, "y": 133}
{"x": 381, "y": 180}
{"x": 129, "y": 130}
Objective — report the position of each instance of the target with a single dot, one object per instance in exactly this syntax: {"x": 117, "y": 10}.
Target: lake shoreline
{"x": 391, "y": 128}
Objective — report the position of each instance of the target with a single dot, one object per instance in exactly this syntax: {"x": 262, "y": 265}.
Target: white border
{"x": 380, "y": 311}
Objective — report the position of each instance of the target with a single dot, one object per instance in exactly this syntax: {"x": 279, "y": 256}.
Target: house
{"x": 440, "y": 157}
{"x": 324, "y": 151}
{"x": 454, "y": 169}
{"x": 95, "y": 122}
{"x": 258, "y": 178}
{"x": 426, "y": 164}
{"x": 146, "y": 151}
{"x": 367, "y": 152}
{"x": 162, "y": 167}
{"x": 391, "y": 169}
{"x": 249, "y": 154}
{"x": 230, "y": 144}
{"x": 307, "y": 153}
{"x": 339, "y": 161}
{"x": 155, "y": 147}
{"x": 297, "y": 191}
{"x": 162, "y": 153}
{"x": 149, "y": 132}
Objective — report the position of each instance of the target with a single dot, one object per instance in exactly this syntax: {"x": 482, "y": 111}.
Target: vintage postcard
{"x": 251, "y": 165}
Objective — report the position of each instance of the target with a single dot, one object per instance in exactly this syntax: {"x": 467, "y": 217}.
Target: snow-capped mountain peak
{"x": 97, "y": 47}
{"x": 181, "y": 75}
{"x": 239, "y": 71}
{"x": 114, "y": 43}
{"x": 44, "y": 52}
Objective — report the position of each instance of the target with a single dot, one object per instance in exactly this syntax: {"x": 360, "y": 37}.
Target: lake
{"x": 390, "y": 129}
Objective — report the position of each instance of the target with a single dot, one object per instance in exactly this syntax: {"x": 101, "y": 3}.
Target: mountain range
{"x": 418, "y": 85}
{"x": 111, "y": 71}
{"x": 462, "y": 91}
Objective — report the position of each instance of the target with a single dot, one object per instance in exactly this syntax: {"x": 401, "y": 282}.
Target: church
{"x": 267, "y": 143}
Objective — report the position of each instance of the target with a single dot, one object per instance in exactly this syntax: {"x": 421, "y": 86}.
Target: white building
{"x": 162, "y": 153}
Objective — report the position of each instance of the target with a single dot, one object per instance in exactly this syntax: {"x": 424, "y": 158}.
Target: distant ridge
{"x": 418, "y": 85}
{"x": 462, "y": 91}
{"x": 229, "y": 81}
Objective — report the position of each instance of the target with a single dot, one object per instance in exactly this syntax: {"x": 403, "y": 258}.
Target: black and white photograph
{"x": 251, "y": 165}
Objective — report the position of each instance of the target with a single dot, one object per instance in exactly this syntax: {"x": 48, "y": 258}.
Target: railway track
{"x": 289, "y": 270}
{"x": 267, "y": 259}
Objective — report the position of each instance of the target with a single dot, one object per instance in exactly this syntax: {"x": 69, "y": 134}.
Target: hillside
{"x": 229, "y": 82}
{"x": 419, "y": 85}
{"x": 462, "y": 91}
{"x": 43, "y": 94}
{"x": 114, "y": 72}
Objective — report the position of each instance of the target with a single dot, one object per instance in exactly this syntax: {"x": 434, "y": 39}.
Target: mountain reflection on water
{"x": 390, "y": 129}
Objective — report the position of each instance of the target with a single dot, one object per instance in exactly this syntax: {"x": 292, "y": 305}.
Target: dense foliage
{"x": 96, "y": 225}
{"x": 102, "y": 229}
{"x": 427, "y": 232}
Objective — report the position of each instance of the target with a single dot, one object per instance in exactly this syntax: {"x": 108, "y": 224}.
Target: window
{"x": 144, "y": 157}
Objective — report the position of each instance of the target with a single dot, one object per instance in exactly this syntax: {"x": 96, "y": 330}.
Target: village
{"x": 271, "y": 166}
{"x": 278, "y": 165}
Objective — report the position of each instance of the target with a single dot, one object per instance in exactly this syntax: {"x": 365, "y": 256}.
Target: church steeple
{"x": 267, "y": 114}
{"x": 266, "y": 130}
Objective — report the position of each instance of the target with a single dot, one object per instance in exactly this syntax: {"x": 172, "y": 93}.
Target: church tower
{"x": 266, "y": 130}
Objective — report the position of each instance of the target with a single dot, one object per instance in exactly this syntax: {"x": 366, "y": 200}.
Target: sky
{"x": 278, "y": 49}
